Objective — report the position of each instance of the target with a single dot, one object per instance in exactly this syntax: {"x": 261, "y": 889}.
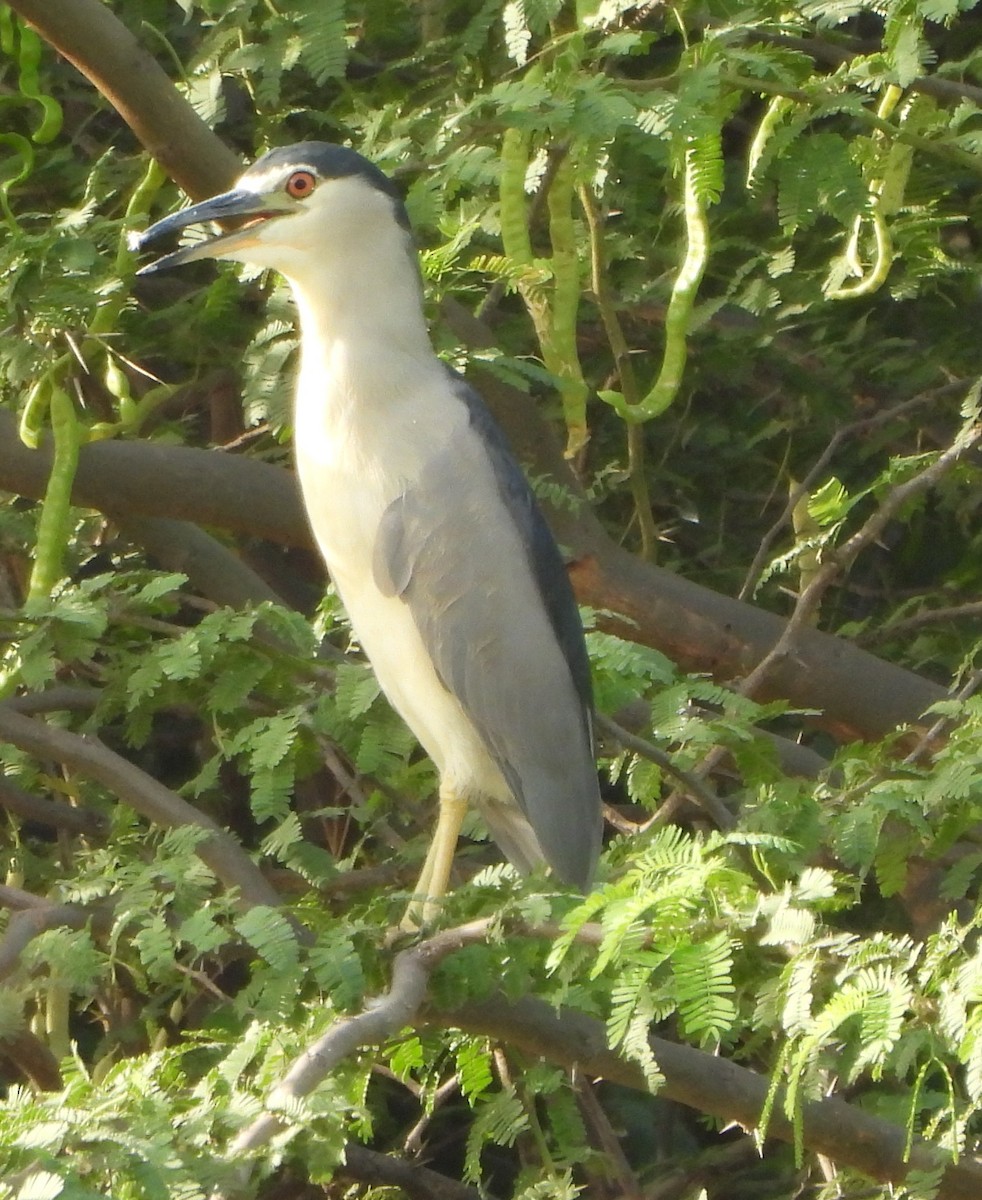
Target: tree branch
{"x": 98, "y": 44}
{"x": 707, "y": 799}
{"x": 699, "y": 629}
{"x": 416, "y": 1181}
{"x": 710, "y": 1084}
{"x": 28, "y": 923}
{"x": 384, "y": 1018}
{"x": 212, "y": 569}
{"x": 87, "y": 755}
{"x": 845, "y": 555}
{"x": 55, "y": 813}
{"x": 817, "y": 469}
{"x": 702, "y": 1081}
{"x": 33, "y": 1059}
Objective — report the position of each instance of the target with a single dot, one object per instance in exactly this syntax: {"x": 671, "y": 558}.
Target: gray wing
{"x": 468, "y": 550}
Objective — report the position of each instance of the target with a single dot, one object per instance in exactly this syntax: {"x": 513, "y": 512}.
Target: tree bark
{"x": 859, "y": 694}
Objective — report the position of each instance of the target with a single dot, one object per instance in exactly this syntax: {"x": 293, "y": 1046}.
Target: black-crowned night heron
{"x": 453, "y": 583}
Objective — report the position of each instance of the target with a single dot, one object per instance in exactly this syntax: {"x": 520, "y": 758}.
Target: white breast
{"x": 356, "y": 453}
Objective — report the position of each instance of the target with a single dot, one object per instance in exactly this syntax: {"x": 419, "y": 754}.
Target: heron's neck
{"x": 363, "y": 307}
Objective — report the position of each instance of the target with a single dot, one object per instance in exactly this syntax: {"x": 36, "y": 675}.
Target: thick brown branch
{"x": 147, "y": 479}
{"x": 710, "y": 1084}
{"x": 33, "y": 1059}
{"x": 699, "y": 629}
{"x": 28, "y": 923}
{"x": 212, "y": 569}
{"x": 845, "y": 555}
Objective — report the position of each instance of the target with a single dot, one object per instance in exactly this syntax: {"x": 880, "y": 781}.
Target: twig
{"x": 841, "y": 559}
{"x": 55, "y": 813}
{"x": 929, "y": 616}
{"x": 802, "y": 489}
{"x": 610, "y": 1144}
{"x": 212, "y": 568}
{"x": 413, "y": 1141}
{"x": 838, "y": 55}
{"x": 807, "y": 97}
{"x": 930, "y": 736}
{"x": 604, "y": 300}
{"x": 417, "y": 1182}
{"x": 707, "y": 800}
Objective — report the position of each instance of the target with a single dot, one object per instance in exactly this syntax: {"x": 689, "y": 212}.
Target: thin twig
{"x": 610, "y": 1144}
{"x": 928, "y": 616}
{"x": 413, "y": 1141}
{"x": 841, "y": 559}
{"x": 413, "y": 1180}
{"x": 707, "y": 800}
{"x": 930, "y": 736}
{"x": 802, "y": 489}
{"x": 606, "y": 306}
{"x": 838, "y": 55}
{"x": 488, "y": 307}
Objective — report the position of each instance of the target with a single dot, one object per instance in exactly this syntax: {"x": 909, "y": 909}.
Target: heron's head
{"x": 296, "y": 206}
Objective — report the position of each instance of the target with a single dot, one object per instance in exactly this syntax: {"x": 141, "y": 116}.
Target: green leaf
{"x": 323, "y": 44}
{"x": 271, "y": 935}
{"x": 818, "y": 177}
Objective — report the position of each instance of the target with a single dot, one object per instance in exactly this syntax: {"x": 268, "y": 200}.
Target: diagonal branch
{"x": 816, "y": 470}
{"x": 382, "y": 1019}
{"x": 28, "y": 923}
{"x": 705, "y": 1082}
{"x": 842, "y": 558}
{"x": 98, "y": 44}
{"x": 55, "y": 813}
{"x": 90, "y": 757}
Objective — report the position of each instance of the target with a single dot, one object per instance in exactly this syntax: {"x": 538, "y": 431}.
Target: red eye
{"x": 300, "y": 184}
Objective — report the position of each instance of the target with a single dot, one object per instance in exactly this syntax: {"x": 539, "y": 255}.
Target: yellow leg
{"x": 433, "y": 879}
